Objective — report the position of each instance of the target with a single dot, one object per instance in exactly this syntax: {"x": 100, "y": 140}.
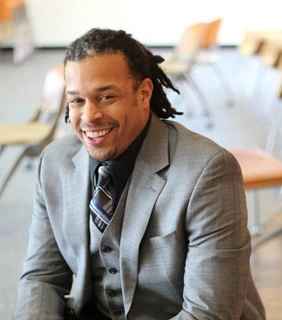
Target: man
{"x": 170, "y": 240}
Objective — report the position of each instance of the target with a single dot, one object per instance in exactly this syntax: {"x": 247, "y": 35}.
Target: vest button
{"x": 117, "y": 313}
{"x": 106, "y": 249}
{"x": 113, "y": 271}
{"x": 111, "y": 293}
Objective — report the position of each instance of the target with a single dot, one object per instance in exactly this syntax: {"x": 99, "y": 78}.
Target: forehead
{"x": 102, "y": 65}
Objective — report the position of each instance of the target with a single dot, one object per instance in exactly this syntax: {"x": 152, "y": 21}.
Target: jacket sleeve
{"x": 217, "y": 265}
{"x": 46, "y": 277}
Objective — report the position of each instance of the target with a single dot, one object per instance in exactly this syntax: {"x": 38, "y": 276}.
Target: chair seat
{"x": 176, "y": 67}
{"x": 206, "y": 57}
{"x": 259, "y": 169}
{"x": 12, "y": 134}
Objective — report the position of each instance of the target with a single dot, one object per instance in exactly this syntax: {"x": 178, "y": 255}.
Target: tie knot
{"x": 104, "y": 175}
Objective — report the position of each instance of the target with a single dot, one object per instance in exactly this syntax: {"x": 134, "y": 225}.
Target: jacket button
{"x": 113, "y": 271}
{"x": 106, "y": 249}
{"x": 111, "y": 293}
{"x": 117, "y": 313}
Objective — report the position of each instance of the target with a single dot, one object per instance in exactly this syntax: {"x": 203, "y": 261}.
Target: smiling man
{"x": 108, "y": 109}
{"x": 148, "y": 216}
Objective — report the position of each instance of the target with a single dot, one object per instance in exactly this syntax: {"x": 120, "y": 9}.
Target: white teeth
{"x": 96, "y": 134}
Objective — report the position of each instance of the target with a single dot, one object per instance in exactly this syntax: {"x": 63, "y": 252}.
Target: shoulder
{"x": 191, "y": 141}
{"x": 196, "y": 149}
{"x": 172, "y": 138}
{"x": 63, "y": 152}
{"x": 65, "y": 146}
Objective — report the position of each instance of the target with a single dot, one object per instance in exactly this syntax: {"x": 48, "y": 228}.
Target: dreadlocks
{"x": 141, "y": 62}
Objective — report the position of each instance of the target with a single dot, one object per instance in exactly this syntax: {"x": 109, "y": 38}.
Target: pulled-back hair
{"x": 141, "y": 63}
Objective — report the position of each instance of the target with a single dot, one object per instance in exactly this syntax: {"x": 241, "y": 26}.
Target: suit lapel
{"x": 76, "y": 212}
{"x": 145, "y": 187}
{"x": 76, "y": 222}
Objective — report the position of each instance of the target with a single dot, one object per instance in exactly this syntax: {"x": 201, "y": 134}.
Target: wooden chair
{"x": 270, "y": 52}
{"x": 179, "y": 65}
{"x": 251, "y": 43}
{"x": 279, "y": 66}
{"x": 6, "y": 21}
{"x": 14, "y": 25}
{"x": 262, "y": 45}
{"x": 261, "y": 168}
{"x": 208, "y": 55}
{"x": 34, "y": 135}
{"x": 278, "y": 229}
{"x": 272, "y": 137}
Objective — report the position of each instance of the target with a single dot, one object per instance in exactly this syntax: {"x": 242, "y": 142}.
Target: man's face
{"x": 106, "y": 112}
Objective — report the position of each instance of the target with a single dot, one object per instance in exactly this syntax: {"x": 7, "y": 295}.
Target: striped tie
{"x": 101, "y": 205}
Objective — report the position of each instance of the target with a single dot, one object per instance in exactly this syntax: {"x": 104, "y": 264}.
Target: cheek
{"x": 126, "y": 125}
{"x": 130, "y": 129}
{"x": 73, "y": 116}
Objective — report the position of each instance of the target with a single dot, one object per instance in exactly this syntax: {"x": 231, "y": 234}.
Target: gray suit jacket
{"x": 184, "y": 248}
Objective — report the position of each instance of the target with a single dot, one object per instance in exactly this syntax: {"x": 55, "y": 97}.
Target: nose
{"x": 91, "y": 112}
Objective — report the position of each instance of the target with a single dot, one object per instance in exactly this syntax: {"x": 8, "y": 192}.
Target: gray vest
{"x": 105, "y": 263}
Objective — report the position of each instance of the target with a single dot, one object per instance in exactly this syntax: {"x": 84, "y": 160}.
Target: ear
{"x": 146, "y": 90}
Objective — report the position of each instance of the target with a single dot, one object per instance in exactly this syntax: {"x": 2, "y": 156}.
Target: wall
{"x": 55, "y": 23}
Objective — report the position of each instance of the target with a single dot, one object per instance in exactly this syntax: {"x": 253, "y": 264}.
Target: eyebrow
{"x": 72, "y": 92}
{"x": 101, "y": 89}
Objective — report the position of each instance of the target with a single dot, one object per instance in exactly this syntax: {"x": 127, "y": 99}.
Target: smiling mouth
{"x": 97, "y": 134}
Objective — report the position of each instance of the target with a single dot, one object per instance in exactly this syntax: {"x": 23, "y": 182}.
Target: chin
{"x": 102, "y": 156}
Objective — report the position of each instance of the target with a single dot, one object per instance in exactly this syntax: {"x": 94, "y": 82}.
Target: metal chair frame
{"x": 26, "y": 134}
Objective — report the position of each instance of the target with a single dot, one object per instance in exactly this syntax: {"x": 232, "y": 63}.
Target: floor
{"x": 244, "y": 124}
{"x": 266, "y": 262}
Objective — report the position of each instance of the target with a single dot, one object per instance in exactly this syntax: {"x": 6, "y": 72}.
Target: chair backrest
{"x": 279, "y": 67}
{"x": 199, "y": 36}
{"x": 52, "y": 95}
{"x": 190, "y": 42}
{"x": 7, "y": 23}
{"x": 210, "y": 37}
{"x": 53, "y": 101}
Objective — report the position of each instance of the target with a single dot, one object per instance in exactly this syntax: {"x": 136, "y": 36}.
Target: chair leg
{"x": 275, "y": 127}
{"x": 202, "y": 99}
{"x": 218, "y": 72}
{"x": 12, "y": 170}
{"x": 184, "y": 96}
{"x": 261, "y": 82}
{"x": 2, "y": 147}
{"x": 267, "y": 237}
{"x": 256, "y": 228}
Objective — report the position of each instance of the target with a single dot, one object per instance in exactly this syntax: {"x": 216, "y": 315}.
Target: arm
{"x": 217, "y": 264}
{"x": 46, "y": 278}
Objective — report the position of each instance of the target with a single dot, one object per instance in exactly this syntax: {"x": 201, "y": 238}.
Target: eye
{"x": 106, "y": 97}
{"x": 74, "y": 102}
